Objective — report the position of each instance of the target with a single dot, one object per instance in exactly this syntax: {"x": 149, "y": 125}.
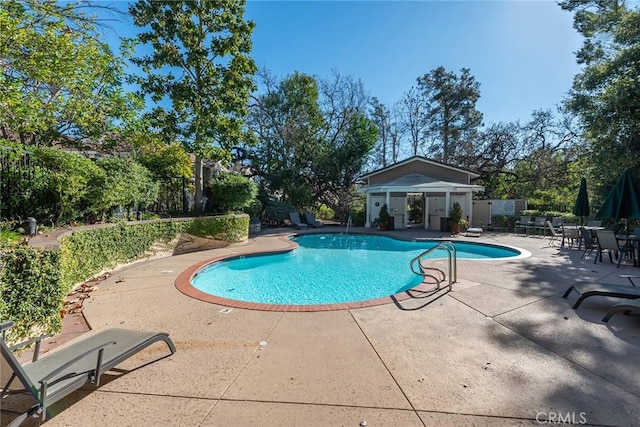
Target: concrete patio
{"x": 503, "y": 348}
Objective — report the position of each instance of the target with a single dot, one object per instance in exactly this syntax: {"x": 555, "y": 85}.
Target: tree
{"x": 451, "y": 114}
{"x": 232, "y": 191}
{"x": 414, "y": 116}
{"x": 381, "y": 117}
{"x": 544, "y": 172}
{"x": 497, "y": 149}
{"x": 314, "y": 139}
{"x": 288, "y": 123}
{"x": 339, "y": 169}
{"x": 348, "y": 138}
{"x": 59, "y": 81}
{"x": 606, "y": 94}
{"x": 74, "y": 182}
{"x": 387, "y": 122}
{"x": 200, "y": 65}
{"x": 127, "y": 184}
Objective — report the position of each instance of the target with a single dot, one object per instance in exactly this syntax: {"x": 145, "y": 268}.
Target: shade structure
{"x": 623, "y": 201}
{"x": 581, "y": 208}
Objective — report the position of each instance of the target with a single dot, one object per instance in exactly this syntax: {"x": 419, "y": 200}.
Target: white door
{"x": 376, "y": 204}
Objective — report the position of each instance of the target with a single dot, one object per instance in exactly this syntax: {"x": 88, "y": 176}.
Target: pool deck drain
{"x": 503, "y": 348}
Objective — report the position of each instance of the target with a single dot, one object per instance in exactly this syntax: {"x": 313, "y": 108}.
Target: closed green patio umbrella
{"x": 581, "y": 208}
{"x": 623, "y": 201}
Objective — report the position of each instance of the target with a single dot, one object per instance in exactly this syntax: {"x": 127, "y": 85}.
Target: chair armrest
{"x": 87, "y": 353}
{"x": 630, "y": 277}
{"x": 5, "y": 324}
{"x": 37, "y": 340}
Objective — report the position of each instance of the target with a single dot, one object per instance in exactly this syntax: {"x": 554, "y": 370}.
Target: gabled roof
{"x": 426, "y": 161}
{"x": 419, "y": 183}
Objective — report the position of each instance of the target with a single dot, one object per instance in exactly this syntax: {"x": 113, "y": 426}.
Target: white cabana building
{"x": 437, "y": 184}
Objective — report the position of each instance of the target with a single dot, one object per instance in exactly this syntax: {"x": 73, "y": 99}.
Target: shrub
{"x": 383, "y": 215}
{"x": 358, "y": 218}
{"x": 73, "y": 181}
{"x": 278, "y": 211}
{"x": 34, "y": 282}
{"x": 455, "y": 213}
{"x": 232, "y": 191}
{"x": 504, "y": 221}
{"x": 30, "y": 290}
{"x": 325, "y": 212}
{"x": 127, "y": 184}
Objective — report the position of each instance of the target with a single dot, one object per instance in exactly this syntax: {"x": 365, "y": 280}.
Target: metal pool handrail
{"x": 451, "y": 255}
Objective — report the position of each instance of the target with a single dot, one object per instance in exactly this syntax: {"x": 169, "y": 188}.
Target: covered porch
{"x": 432, "y": 186}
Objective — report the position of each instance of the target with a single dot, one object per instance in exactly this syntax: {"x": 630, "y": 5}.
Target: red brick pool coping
{"x": 183, "y": 284}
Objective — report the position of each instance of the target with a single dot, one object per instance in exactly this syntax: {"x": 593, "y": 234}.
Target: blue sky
{"x": 521, "y": 52}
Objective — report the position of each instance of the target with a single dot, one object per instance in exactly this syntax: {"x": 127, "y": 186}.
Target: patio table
{"x": 633, "y": 240}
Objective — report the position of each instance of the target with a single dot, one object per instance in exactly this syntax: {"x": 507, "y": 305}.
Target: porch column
{"x": 387, "y": 199}
{"x": 447, "y": 203}
{"x": 367, "y": 212}
{"x": 425, "y": 211}
{"x": 469, "y": 204}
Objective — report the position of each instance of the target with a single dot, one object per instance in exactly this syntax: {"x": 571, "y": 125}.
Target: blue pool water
{"x": 329, "y": 269}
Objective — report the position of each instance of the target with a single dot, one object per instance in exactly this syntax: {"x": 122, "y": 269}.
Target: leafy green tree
{"x": 73, "y": 181}
{"x": 59, "y": 81}
{"x": 232, "y": 191}
{"x": 288, "y": 124}
{"x": 127, "y": 184}
{"x": 606, "y": 94}
{"x": 199, "y": 63}
{"x": 535, "y": 160}
{"x": 451, "y": 114}
{"x": 150, "y": 149}
{"x": 314, "y": 139}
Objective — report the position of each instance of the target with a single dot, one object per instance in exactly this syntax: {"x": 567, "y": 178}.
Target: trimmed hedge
{"x": 30, "y": 291}
{"x": 507, "y": 222}
{"x": 86, "y": 253}
{"x": 34, "y": 282}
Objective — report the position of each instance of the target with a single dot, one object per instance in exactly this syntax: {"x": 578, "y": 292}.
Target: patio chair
{"x": 589, "y": 243}
{"x": 555, "y": 233}
{"x": 540, "y": 224}
{"x": 627, "y": 307}
{"x": 571, "y": 234}
{"x": 592, "y": 289}
{"x": 607, "y": 241}
{"x": 295, "y": 220}
{"x": 60, "y": 373}
{"x": 524, "y": 223}
{"x": 311, "y": 220}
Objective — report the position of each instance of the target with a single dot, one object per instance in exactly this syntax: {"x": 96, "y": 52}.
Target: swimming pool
{"x": 329, "y": 269}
